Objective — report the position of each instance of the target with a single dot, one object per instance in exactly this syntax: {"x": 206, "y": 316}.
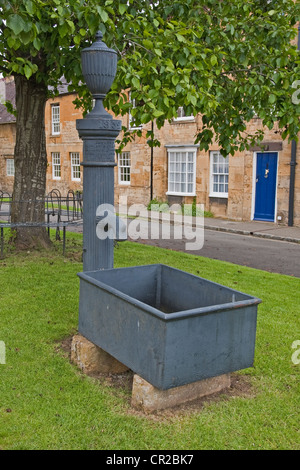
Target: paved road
{"x": 261, "y": 253}
{"x": 269, "y": 255}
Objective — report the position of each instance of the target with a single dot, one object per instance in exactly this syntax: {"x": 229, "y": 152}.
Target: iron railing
{"x": 60, "y": 211}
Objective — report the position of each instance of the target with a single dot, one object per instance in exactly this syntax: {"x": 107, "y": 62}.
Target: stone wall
{"x": 7, "y": 145}
{"x": 66, "y": 142}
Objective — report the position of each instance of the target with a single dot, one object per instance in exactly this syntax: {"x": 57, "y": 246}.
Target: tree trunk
{"x": 30, "y": 164}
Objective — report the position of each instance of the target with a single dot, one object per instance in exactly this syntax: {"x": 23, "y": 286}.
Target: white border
{"x": 182, "y": 148}
{"x": 124, "y": 183}
{"x": 211, "y": 192}
{"x": 74, "y": 179}
{"x": 57, "y": 178}
{"x": 55, "y": 105}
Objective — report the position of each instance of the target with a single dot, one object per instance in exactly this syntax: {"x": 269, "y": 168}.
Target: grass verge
{"x": 47, "y": 403}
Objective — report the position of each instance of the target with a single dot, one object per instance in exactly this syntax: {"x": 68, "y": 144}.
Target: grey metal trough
{"x": 168, "y": 326}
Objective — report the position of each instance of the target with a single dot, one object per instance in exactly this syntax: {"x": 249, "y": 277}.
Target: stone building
{"x": 7, "y": 135}
{"x": 64, "y": 148}
{"x": 249, "y": 185}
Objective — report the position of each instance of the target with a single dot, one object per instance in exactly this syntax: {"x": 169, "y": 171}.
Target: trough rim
{"x": 168, "y": 317}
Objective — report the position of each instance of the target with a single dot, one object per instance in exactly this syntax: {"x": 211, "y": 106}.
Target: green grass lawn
{"x": 47, "y": 403}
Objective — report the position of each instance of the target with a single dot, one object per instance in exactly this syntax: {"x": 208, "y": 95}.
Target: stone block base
{"x": 148, "y": 398}
{"x": 92, "y": 360}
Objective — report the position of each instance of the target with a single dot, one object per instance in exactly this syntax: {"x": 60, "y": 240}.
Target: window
{"x": 75, "y": 166}
{"x": 55, "y": 119}
{"x": 219, "y": 170}
{"x": 181, "y": 171}
{"x": 56, "y": 169}
{"x": 124, "y": 168}
{"x": 10, "y": 167}
{"x": 181, "y": 116}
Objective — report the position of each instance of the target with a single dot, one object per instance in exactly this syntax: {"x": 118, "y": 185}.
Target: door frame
{"x": 254, "y": 183}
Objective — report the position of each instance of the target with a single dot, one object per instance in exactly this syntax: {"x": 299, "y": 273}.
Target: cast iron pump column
{"x": 98, "y": 130}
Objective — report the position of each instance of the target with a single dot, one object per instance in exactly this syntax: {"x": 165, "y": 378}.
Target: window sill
{"x": 184, "y": 120}
{"x": 218, "y": 196}
{"x": 169, "y": 193}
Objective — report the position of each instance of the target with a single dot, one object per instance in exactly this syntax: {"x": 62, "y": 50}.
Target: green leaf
{"x": 30, "y": 7}
{"x": 27, "y": 71}
{"x": 16, "y": 23}
{"x": 136, "y": 82}
{"x": 158, "y": 113}
{"x": 77, "y": 39}
{"x": 180, "y": 38}
{"x": 122, "y": 8}
{"x": 37, "y": 43}
{"x": 63, "y": 30}
{"x": 11, "y": 41}
{"x": 175, "y": 79}
{"x": 103, "y": 14}
{"x": 213, "y": 60}
{"x": 145, "y": 118}
{"x": 153, "y": 94}
{"x": 148, "y": 44}
{"x": 71, "y": 24}
{"x": 272, "y": 98}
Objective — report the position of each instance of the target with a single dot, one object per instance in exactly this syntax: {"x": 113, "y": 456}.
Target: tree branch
{"x": 4, "y": 69}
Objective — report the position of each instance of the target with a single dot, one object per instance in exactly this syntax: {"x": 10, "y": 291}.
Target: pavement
{"x": 269, "y": 230}
{"x": 255, "y": 229}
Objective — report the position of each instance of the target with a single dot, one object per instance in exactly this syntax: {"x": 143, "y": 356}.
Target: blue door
{"x": 266, "y": 180}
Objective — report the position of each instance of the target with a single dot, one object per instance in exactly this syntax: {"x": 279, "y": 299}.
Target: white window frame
{"x": 215, "y": 171}
{"x": 179, "y": 161}
{"x": 75, "y": 166}
{"x": 124, "y": 163}
{"x": 56, "y": 165}
{"x": 182, "y": 116}
{"x": 55, "y": 119}
{"x": 10, "y": 167}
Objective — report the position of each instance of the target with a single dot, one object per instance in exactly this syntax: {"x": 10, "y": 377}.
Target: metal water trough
{"x": 168, "y": 326}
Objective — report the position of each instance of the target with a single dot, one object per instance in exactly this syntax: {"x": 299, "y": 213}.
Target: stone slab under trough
{"x": 147, "y": 398}
{"x": 93, "y": 360}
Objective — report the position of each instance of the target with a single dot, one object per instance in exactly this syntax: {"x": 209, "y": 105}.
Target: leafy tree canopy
{"x": 227, "y": 60}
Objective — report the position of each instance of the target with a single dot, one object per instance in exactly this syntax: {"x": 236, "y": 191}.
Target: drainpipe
{"x": 293, "y": 164}
{"x": 151, "y": 164}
